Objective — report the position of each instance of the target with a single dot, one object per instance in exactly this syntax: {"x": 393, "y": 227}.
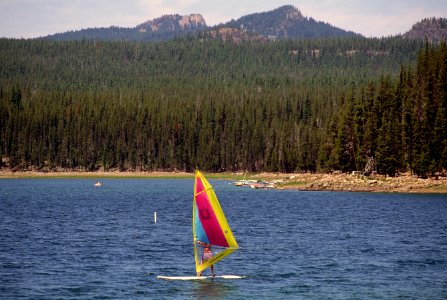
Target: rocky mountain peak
{"x": 290, "y": 12}
{"x": 286, "y": 22}
{"x": 432, "y": 29}
{"x": 173, "y": 23}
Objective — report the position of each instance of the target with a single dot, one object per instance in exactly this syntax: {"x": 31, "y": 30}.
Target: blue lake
{"x": 66, "y": 239}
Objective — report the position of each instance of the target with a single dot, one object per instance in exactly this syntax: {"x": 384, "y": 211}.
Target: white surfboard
{"x": 200, "y": 277}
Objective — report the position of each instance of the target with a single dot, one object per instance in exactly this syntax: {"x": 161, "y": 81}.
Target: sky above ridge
{"x": 374, "y": 18}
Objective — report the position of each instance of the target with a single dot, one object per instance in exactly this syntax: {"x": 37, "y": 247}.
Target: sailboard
{"x": 211, "y": 231}
{"x": 200, "y": 277}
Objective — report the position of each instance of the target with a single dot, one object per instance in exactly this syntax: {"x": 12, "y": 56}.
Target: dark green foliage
{"x": 401, "y": 124}
{"x": 16, "y": 96}
{"x": 280, "y": 106}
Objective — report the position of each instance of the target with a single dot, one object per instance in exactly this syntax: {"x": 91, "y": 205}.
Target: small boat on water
{"x": 243, "y": 182}
{"x": 262, "y": 185}
{"x": 258, "y": 184}
{"x": 98, "y": 183}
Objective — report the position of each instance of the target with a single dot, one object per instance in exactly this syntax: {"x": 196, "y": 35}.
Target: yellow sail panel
{"x": 202, "y": 266}
{"x": 221, "y": 218}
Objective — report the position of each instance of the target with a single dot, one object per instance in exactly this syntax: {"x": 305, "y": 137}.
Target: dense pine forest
{"x": 287, "y": 106}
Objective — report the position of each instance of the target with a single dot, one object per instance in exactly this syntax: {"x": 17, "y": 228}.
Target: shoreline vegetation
{"x": 404, "y": 183}
{"x": 251, "y": 106}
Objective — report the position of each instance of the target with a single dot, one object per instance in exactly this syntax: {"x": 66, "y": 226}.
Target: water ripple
{"x": 65, "y": 239}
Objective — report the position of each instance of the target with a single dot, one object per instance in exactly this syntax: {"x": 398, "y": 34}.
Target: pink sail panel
{"x": 208, "y": 218}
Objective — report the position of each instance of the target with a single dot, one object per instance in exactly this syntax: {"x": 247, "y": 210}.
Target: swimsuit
{"x": 207, "y": 255}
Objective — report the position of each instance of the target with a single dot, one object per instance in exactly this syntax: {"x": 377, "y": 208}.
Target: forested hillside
{"x": 287, "y": 22}
{"x": 277, "y": 106}
{"x": 164, "y": 28}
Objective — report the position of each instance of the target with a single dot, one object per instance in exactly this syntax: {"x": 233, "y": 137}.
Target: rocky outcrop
{"x": 433, "y": 30}
{"x": 173, "y": 23}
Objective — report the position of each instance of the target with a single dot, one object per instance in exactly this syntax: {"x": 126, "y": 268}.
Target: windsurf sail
{"x": 210, "y": 227}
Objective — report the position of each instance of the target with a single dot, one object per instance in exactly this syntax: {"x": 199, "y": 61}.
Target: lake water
{"x": 66, "y": 239}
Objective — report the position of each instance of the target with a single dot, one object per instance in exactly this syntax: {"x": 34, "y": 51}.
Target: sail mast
{"x": 194, "y": 216}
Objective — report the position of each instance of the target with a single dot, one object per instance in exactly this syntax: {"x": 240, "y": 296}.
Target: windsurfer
{"x": 207, "y": 255}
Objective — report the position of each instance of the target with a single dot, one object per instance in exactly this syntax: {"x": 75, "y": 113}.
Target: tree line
{"x": 401, "y": 125}
{"x": 283, "y": 106}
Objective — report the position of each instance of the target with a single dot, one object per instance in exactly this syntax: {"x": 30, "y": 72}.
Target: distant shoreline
{"x": 405, "y": 183}
{"x": 96, "y": 174}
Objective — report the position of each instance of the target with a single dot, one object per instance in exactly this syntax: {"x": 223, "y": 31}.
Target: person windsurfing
{"x": 207, "y": 255}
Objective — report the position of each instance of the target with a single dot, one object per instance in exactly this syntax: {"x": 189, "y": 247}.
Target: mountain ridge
{"x": 163, "y": 28}
{"x": 284, "y": 22}
{"x": 287, "y": 22}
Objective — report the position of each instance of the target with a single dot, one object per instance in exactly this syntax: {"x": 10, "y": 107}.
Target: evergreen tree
{"x": 16, "y": 96}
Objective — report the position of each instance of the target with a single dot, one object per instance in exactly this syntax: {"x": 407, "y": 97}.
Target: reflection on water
{"x": 211, "y": 289}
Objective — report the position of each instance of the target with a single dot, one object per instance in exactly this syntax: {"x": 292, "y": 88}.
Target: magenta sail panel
{"x": 208, "y": 218}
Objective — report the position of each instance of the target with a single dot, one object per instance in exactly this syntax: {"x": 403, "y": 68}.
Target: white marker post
{"x": 155, "y": 217}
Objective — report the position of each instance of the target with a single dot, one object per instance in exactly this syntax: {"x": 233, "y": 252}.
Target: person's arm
{"x": 203, "y": 244}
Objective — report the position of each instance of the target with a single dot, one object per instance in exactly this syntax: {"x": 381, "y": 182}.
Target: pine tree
{"x": 16, "y": 96}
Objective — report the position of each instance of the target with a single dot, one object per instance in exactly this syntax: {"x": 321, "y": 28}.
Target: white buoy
{"x": 155, "y": 217}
